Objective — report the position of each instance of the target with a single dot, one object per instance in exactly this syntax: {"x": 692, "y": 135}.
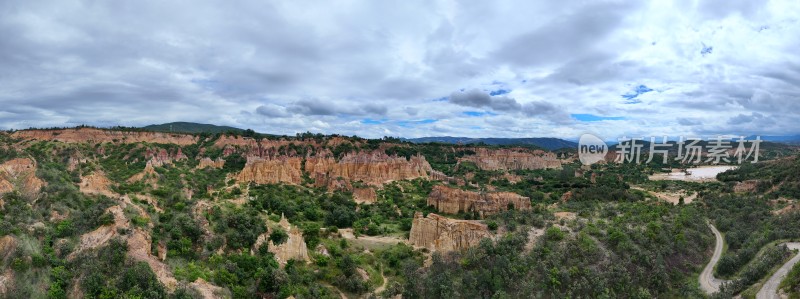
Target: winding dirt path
{"x": 770, "y": 288}
{"x": 708, "y": 282}
{"x": 382, "y": 287}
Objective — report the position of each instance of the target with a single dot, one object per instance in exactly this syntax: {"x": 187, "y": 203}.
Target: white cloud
{"x": 287, "y": 67}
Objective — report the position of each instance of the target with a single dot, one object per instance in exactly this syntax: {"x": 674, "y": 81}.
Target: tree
{"x": 278, "y": 236}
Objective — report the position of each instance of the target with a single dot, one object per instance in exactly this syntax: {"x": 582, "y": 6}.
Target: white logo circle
{"x": 591, "y": 149}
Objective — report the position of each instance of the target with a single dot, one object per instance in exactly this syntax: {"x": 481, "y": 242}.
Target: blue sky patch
{"x": 369, "y": 121}
{"x": 632, "y": 96}
{"x": 411, "y": 123}
{"x": 478, "y": 113}
{"x": 499, "y": 92}
{"x": 706, "y": 50}
{"x": 592, "y": 117}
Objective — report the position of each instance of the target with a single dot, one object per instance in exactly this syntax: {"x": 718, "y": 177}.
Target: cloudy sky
{"x": 402, "y": 68}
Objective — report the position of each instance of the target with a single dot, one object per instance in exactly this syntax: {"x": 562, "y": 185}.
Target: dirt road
{"x": 770, "y": 288}
{"x": 708, "y": 282}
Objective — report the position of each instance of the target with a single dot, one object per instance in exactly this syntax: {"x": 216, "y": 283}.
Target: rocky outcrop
{"x": 372, "y": 168}
{"x": 440, "y": 176}
{"x": 101, "y": 235}
{"x": 746, "y": 186}
{"x": 19, "y": 174}
{"x": 96, "y": 183}
{"x": 92, "y": 135}
{"x": 139, "y": 244}
{"x": 207, "y": 162}
{"x": 272, "y": 170}
{"x": 6, "y": 282}
{"x": 161, "y": 157}
{"x": 365, "y": 195}
{"x": 294, "y": 248}
{"x": 149, "y": 173}
{"x": 208, "y": 290}
{"x": 452, "y": 201}
{"x": 566, "y": 197}
{"x": 440, "y": 233}
{"x": 138, "y": 240}
{"x": 8, "y": 244}
{"x": 512, "y": 159}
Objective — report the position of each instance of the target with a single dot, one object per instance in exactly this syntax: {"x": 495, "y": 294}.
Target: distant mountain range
{"x": 791, "y": 139}
{"x": 548, "y": 143}
{"x": 190, "y": 127}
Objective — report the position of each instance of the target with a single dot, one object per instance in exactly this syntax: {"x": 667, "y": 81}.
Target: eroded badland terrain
{"x": 99, "y": 213}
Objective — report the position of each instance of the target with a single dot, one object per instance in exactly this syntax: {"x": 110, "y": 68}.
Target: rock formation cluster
{"x": 272, "y": 170}
{"x": 372, "y": 168}
{"x": 453, "y": 200}
{"x": 512, "y": 159}
{"x": 207, "y": 162}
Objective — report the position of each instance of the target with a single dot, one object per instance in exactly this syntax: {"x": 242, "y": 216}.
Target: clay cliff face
{"x": 439, "y": 233}
{"x": 160, "y": 156}
{"x": 508, "y": 159}
{"x": 96, "y": 183}
{"x": 365, "y": 195}
{"x": 207, "y": 162}
{"x": 91, "y": 135}
{"x": 19, "y": 174}
{"x": 272, "y": 170}
{"x": 294, "y": 248}
{"x": 373, "y": 168}
{"x": 451, "y": 200}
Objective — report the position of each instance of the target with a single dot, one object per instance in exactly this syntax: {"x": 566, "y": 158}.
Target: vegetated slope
{"x": 776, "y": 178}
{"x": 190, "y": 127}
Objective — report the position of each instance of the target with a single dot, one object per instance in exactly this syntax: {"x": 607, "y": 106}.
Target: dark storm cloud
{"x": 480, "y": 99}
{"x": 313, "y": 107}
{"x": 536, "y": 109}
{"x": 272, "y": 110}
{"x": 547, "y": 111}
{"x": 326, "y": 108}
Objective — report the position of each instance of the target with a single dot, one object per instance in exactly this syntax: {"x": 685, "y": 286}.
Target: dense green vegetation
{"x": 779, "y": 178}
{"x": 569, "y": 262}
{"x": 748, "y": 225}
{"x": 791, "y": 284}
